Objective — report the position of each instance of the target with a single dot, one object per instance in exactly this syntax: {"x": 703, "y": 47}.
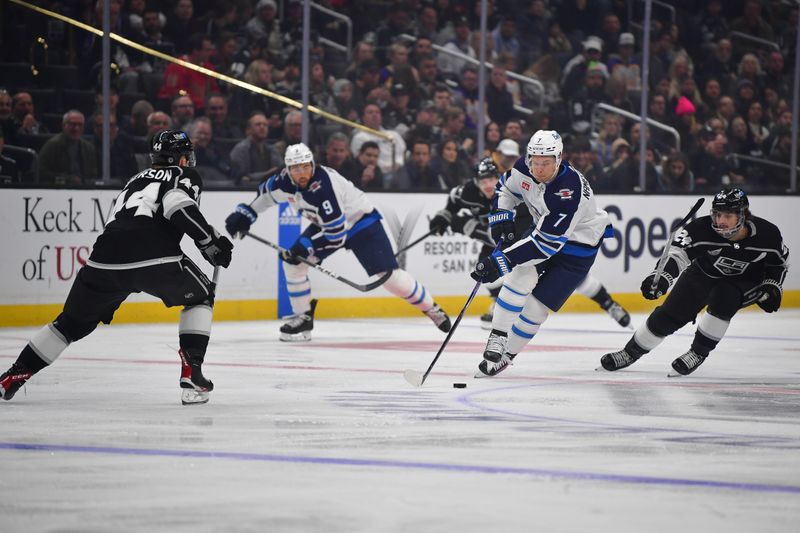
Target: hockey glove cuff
{"x": 238, "y": 223}
{"x": 662, "y": 285}
{"x": 492, "y": 267}
{"x": 439, "y": 223}
{"x": 501, "y": 224}
{"x": 773, "y": 292}
{"x": 216, "y": 249}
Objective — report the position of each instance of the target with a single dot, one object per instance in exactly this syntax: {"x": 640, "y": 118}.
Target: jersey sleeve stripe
{"x": 175, "y": 199}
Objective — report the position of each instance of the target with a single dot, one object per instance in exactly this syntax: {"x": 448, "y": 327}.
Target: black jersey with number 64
{"x": 140, "y": 231}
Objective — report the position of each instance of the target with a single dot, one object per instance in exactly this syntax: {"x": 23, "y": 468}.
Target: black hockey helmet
{"x": 731, "y": 200}
{"x": 486, "y": 169}
{"x": 168, "y": 146}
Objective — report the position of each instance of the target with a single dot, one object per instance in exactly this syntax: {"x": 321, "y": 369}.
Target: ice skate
{"x": 495, "y": 360}
{"x": 194, "y": 386}
{"x": 298, "y": 328}
{"x": 618, "y": 360}
{"x": 439, "y": 317}
{"x": 686, "y": 364}
{"x": 618, "y": 313}
{"x": 11, "y": 381}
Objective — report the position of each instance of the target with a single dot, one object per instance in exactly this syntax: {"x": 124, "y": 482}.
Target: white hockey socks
{"x": 526, "y": 326}
{"x": 403, "y": 284}
{"x": 646, "y": 339}
{"x": 589, "y": 287}
{"x": 712, "y": 327}
{"x": 516, "y": 287}
{"x": 195, "y": 320}
{"x": 48, "y": 343}
{"x": 298, "y": 286}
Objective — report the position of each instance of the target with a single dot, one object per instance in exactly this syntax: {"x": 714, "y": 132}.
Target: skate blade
{"x": 600, "y": 369}
{"x": 673, "y": 374}
{"x": 296, "y": 337}
{"x": 193, "y": 397}
{"x": 486, "y": 325}
{"x": 414, "y": 378}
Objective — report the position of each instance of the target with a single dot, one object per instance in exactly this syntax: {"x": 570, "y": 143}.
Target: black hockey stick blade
{"x": 675, "y": 227}
{"x": 357, "y": 286}
{"x": 410, "y": 245}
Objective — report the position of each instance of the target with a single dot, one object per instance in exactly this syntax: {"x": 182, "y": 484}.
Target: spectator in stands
{"x": 24, "y": 112}
{"x": 252, "y": 158}
{"x": 9, "y": 170}
{"x": 398, "y": 56}
{"x": 122, "y": 164}
{"x": 343, "y": 99}
{"x": 775, "y": 76}
{"x": 91, "y": 52}
{"x": 711, "y": 170}
{"x": 712, "y": 24}
{"x": 221, "y": 124}
{"x": 755, "y": 122}
{"x": 181, "y": 25}
{"x": 532, "y": 30}
{"x": 227, "y": 47}
{"x": 337, "y": 156}
{"x": 676, "y": 177}
{"x": 610, "y": 31}
{"x": 574, "y": 72}
{"x": 152, "y": 36}
{"x": 505, "y": 41}
{"x": 182, "y": 112}
{"x": 157, "y": 121}
{"x": 625, "y": 177}
{"x": 453, "y": 129}
{"x": 491, "y": 138}
{"x": 686, "y": 123}
{"x": 753, "y": 24}
{"x": 621, "y": 151}
{"x": 367, "y": 77}
{"x": 513, "y": 130}
{"x": 625, "y": 66}
{"x": 721, "y": 65}
{"x": 427, "y": 24}
{"x": 320, "y": 88}
{"x": 67, "y": 159}
{"x": 244, "y": 102}
{"x": 399, "y": 116}
{"x": 745, "y": 95}
{"x": 584, "y": 159}
{"x": 265, "y": 25}
{"x": 367, "y": 174}
{"x": 211, "y": 162}
{"x": 777, "y": 180}
{"x": 452, "y": 167}
{"x": 397, "y": 21}
{"x": 499, "y": 103}
{"x": 363, "y": 52}
{"x": 254, "y": 50}
{"x": 442, "y": 99}
{"x": 741, "y": 140}
{"x": 418, "y": 174}
{"x": 783, "y": 122}
{"x": 372, "y": 117}
{"x": 450, "y": 65}
{"x": 581, "y": 104}
{"x": 292, "y": 131}
{"x": 468, "y": 92}
{"x": 6, "y": 116}
{"x": 506, "y": 154}
{"x": 137, "y": 125}
{"x": 425, "y": 126}
{"x": 750, "y": 69}
{"x": 712, "y": 91}
{"x": 602, "y": 145}
{"x": 422, "y": 47}
{"x": 429, "y": 76}
{"x": 726, "y": 109}
{"x": 181, "y": 80}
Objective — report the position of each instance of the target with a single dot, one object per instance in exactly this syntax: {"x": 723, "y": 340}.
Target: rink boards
{"x": 48, "y": 235}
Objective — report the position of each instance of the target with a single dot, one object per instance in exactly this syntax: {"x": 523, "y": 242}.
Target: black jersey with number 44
{"x": 143, "y": 229}
{"x": 760, "y": 255}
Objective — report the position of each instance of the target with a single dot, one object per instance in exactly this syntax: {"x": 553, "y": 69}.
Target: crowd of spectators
{"x": 726, "y": 95}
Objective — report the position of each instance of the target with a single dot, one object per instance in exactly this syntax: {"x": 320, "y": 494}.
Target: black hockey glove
{"x": 771, "y": 301}
{"x": 238, "y": 223}
{"x": 302, "y": 248}
{"x": 440, "y": 222}
{"x": 217, "y": 249}
{"x": 662, "y": 286}
{"x": 466, "y": 224}
{"x": 491, "y": 267}
{"x": 501, "y": 224}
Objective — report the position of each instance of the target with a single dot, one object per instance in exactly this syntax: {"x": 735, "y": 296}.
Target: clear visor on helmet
{"x": 726, "y": 230}
{"x": 191, "y": 160}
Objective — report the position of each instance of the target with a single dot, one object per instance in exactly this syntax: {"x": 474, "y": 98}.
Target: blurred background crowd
{"x": 720, "y": 89}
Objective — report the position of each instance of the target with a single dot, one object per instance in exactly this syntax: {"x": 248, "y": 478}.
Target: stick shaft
{"x": 406, "y": 247}
{"x": 665, "y": 254}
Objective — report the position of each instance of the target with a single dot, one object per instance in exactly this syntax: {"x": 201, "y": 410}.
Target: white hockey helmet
{"x": 297, "y": 154}
{"x": 544, "y": 142}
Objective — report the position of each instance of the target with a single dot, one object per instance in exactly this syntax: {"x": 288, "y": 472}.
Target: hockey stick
{"x": 418, "y": 378}
{"x": 406, "y": 247}
{"x": 665, "y": 254}
{"x": 363, "y": 288}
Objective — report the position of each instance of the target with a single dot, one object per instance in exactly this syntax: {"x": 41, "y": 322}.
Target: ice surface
{"x": 327, "y": 436}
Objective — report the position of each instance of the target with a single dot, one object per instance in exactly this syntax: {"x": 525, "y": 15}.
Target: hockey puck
{"x": 459, "y": 385}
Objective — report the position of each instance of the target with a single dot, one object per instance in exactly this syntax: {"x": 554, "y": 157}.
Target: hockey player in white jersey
{"x": 341, "y": 216}
{"x": 545, "y": 265}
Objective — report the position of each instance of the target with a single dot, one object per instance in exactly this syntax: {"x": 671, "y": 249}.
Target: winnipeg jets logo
{"x": 565, "y": 194}
{"x": 526, "y": 185}
{"x": 315, "y": 186}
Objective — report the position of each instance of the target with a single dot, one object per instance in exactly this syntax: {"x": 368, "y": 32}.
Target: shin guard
{"x": 403, "y": 284}
{"x": 298, "y": 286}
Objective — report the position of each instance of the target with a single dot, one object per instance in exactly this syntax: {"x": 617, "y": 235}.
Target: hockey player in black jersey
{"x": 467, "y": 212}
{"x": 726, "y": 261}
{"x": 139, "y": 251}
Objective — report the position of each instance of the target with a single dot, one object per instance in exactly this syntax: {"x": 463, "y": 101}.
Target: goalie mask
{"x": 731, "y": 200}
{"x": 169, "y": 146}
